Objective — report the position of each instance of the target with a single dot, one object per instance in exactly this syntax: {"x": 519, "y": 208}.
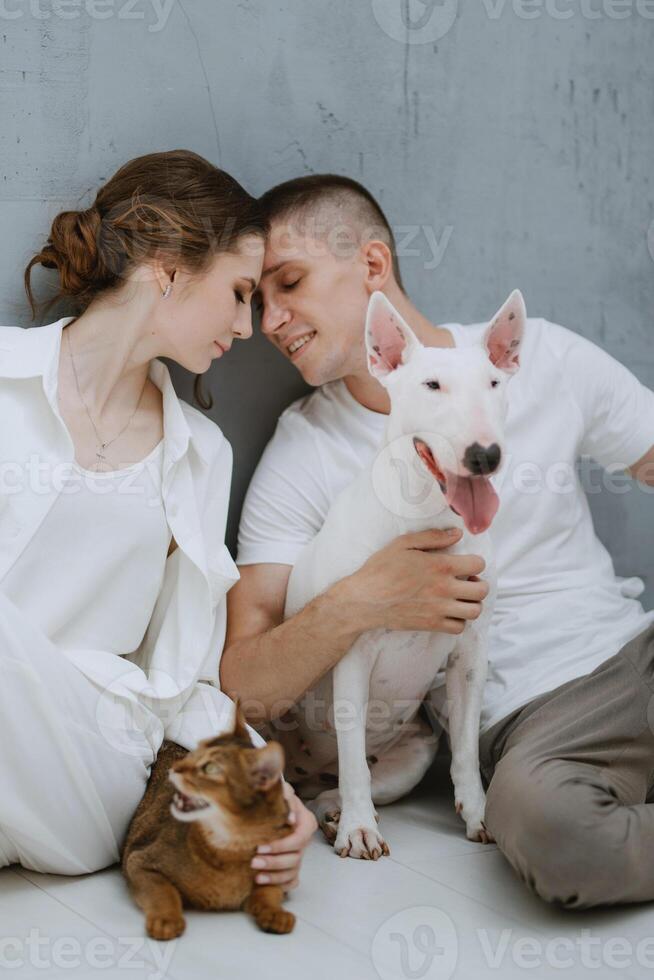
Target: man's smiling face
{"x": 313, "y": 303}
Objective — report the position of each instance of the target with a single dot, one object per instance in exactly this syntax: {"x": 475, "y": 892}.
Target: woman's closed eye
{"x": 239, "y": 296}
{"x": 291, "y": 285}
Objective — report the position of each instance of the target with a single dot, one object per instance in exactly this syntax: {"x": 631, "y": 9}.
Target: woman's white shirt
{"x": 92, "y": 575}
{"x": 172, "y": 675}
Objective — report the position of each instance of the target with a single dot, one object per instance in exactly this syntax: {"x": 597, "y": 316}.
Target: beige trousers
{"x": 570, "y": 784}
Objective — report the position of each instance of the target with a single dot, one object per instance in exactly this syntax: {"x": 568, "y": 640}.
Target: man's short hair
{"x": 325, "y": 202}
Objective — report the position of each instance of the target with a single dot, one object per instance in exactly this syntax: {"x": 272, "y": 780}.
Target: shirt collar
{"x": 37, "y": 354}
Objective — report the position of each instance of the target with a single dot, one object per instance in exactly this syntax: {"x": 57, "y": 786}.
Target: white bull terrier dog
{"x": 443, "y": 438}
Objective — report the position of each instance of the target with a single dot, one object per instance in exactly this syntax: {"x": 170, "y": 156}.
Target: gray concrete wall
{"x": 515, "y": 138}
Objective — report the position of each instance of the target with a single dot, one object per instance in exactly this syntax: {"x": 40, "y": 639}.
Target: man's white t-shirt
{"x": 561, "y": 610}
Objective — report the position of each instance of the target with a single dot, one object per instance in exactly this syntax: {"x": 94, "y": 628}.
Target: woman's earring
{"x": 166, "y": 292}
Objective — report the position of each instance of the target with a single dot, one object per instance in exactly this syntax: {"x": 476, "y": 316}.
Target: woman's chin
{"x": 202, "y": 366}
{"x": 197, "y": 366}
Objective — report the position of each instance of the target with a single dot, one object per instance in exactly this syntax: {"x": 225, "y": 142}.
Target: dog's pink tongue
{"x": 474, "y": 498}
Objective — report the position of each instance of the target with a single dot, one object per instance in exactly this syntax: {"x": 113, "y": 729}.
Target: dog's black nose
{"x": 482, "y": 461}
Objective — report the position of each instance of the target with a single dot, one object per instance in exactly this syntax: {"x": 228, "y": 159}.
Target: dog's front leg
{"x": 465, "y": 677}
{"x": 357, "y": 835}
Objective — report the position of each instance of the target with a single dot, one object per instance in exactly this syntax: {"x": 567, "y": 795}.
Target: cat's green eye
{"x": 211, "y": 768}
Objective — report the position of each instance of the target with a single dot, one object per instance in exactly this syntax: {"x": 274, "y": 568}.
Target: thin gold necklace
{"x": 103, "y": 443}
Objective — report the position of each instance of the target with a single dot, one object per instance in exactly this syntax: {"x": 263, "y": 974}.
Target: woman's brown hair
{"x": 173, "y": 205}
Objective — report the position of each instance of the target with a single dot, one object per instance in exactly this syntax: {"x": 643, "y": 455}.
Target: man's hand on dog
{"x": 411, "y": 585}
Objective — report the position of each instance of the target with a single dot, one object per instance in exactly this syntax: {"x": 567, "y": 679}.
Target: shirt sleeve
{"x": 286, "y": 502}
{"x": 617, "y": 409}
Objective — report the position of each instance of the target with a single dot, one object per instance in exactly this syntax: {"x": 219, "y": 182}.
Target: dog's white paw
{"x": 328, "y": 823}
{"x": 360, "y": 842}
{"x": 472, "y": 808}
{"x": 478, "y": 831}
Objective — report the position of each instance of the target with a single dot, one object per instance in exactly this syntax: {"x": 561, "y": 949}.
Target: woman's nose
{"x": 243, "y": 327}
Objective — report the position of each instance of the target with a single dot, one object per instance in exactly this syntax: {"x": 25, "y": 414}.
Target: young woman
{"x": 113, "y": 504}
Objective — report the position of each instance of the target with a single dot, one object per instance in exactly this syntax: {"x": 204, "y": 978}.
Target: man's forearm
{"x": 271, "y": 671}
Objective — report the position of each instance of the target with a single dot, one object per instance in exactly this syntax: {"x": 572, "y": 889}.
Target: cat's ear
{"x": 239, "y": 730}
{"x": 266, "y": 766}
{"x": 240, "y": 727}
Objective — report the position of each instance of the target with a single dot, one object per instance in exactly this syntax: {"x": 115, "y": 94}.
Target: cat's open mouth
{"x": 188, "y": 804}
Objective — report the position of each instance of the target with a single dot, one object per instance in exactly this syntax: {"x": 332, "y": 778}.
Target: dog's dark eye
{"x": 494, "y": 383}
{"x": 432, "y": 385}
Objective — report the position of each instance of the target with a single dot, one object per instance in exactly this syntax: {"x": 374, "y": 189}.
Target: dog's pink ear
{"x": 389, "y": 339}
{"x": 504, "y": 334}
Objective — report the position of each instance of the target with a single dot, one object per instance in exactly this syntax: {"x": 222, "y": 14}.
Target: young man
{"x": 567, "y": 741}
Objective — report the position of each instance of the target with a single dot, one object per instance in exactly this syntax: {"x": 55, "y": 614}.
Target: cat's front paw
{"x": 275, "y": 920}
{"x": 164, "y": 926}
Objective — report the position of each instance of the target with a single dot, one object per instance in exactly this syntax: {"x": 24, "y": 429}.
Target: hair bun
{"x": 72, "y": 249}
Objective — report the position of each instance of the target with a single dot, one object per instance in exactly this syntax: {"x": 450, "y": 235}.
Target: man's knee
{"x": 550, "y": 825}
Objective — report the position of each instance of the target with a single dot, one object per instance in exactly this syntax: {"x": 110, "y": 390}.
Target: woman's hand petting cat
{"x": 278, "y": 863}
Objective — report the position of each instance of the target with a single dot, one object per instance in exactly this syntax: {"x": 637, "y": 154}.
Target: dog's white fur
{"x": 389, "y": 673}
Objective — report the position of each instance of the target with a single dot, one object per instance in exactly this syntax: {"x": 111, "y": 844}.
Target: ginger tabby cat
{"x": 194, "y": 833}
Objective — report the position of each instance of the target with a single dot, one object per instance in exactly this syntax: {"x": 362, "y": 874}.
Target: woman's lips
{"x": 221, "y": 350}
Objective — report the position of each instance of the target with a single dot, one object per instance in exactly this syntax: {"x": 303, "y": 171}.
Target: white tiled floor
{"x": 439, "y": 907}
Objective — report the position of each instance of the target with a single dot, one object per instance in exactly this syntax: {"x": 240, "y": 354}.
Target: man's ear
{"x": 503, "y": 337}
{"x": 379, "y": 262}
{"x": 390, "y": 341}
